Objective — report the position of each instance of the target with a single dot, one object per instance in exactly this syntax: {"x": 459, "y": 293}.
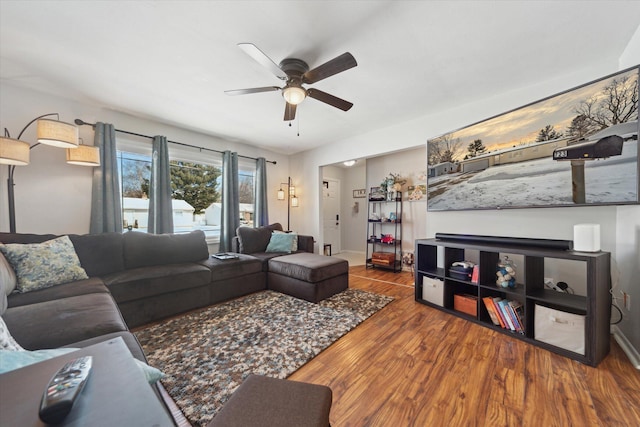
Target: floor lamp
{"x": 14, "y": 152}
{"x": 292, "y": 199}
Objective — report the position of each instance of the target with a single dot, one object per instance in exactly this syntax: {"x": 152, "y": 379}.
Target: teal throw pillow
{"x": 294, "y": 245}
{"x": 42, "y": 265}
{"x": 280, "y": 243}
{"x": 10, "y": 360}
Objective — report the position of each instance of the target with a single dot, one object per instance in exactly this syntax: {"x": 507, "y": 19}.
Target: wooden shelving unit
{"x": 594, "y": 307}
{"x": 376, "y": 227}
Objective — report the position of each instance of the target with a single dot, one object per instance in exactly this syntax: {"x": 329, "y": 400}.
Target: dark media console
{"x": 572, "y": 325}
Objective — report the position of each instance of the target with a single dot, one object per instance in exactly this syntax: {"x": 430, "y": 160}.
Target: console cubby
{"x": 434, "y": 258}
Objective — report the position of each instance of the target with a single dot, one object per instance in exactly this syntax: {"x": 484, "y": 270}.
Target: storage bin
{"x": 383, "y": 258}
{"x": 466, "y": 303}
{"x": 433, "y": 290}
{"x": 559, "y": 328}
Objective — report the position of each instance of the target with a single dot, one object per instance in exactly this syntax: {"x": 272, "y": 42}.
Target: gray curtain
{"x": 160, "y": 208}
{"x": 261, "y": 214}
{"x": 106, "y": 203}
{"x": 230, "y": 215}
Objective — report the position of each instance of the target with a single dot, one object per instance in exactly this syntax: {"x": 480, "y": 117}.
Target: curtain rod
{"x": 80, "y": 122}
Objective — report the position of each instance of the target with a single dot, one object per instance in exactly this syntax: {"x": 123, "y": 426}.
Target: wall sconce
{"x": 14, "y": 152}
{"x": 292, "y": 199}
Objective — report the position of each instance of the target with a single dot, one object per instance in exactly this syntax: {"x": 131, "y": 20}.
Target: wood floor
{"x": 412, "y": 365}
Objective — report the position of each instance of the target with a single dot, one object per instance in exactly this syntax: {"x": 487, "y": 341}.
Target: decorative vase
{"x": 390, "y": 196}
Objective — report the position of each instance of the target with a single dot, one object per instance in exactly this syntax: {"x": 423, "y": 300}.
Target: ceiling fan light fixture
{"x": 294, "y": 95}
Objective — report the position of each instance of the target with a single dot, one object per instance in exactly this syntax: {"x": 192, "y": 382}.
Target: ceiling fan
{"x": 295, "y": 72}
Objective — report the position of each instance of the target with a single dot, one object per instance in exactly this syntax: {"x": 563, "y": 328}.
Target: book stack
{"x": 506, "y": 314}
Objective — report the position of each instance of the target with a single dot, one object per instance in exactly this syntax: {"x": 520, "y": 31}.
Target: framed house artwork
{"x": 576, "y": 148}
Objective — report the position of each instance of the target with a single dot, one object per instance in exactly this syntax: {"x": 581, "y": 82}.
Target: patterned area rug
{"x": 207, "y": 354}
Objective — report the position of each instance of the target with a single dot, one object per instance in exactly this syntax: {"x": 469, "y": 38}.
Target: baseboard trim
{"x": 626, "y": 346}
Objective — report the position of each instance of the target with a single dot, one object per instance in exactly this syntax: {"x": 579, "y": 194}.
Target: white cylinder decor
{"x": 586, "y": 237}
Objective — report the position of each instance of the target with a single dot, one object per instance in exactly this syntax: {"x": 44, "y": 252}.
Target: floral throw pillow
{"x": 6, "y": 340}
{"x": 42, "y": 265}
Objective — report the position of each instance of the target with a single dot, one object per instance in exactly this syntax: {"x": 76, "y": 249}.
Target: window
{"x": 246, "y": 184}
{"x": 196, "y": 190}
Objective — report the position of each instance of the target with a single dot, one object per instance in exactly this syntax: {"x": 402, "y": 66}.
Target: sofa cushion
{"x": 80, "y": 287}
{"x": 40, "y": 265}
{"x": 145, "y": 282}
{"x": 264, "y": 258}
{"x": 255, "y": 239}
{"x": 145, "y": 250}
{"x": 308, "y": 267}
{"x": 230, "y": 268}
{"x": 305, "y": 244}
{"x": 60, "y": 322}
{"x": 99, "y": 254}
{"x": 25, "y": 237}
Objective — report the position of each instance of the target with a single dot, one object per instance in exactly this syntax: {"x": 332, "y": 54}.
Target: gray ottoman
{"x": 270, "y": 402}
{"x": 308, "y": 276}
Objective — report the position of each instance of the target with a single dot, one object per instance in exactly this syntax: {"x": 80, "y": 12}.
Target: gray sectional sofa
{"x": 133, "y": 279}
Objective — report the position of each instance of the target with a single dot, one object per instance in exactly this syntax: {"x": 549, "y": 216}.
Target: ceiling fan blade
{"x": 336, "y": 65}
{"x": 251, "y": 90}
{"x": 262, "y": 59}
{"x": 329, "y": 99}
{"x": 289, "y": 112}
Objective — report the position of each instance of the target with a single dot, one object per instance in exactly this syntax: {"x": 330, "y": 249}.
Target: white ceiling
{"x": 171, "y": 61}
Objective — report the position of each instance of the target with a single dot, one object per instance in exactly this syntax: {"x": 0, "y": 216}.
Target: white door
{"x": 331, "y": 214}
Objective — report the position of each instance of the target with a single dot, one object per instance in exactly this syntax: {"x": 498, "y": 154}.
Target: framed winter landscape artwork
{"x": 576, "y": 148}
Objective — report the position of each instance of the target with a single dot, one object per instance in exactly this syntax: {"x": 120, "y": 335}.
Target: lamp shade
{"x": 294, "y": 95}
{"x": 13, "y": 152}
{"x": 294, "y": 201}
{"x": 58, "y": 134}
{"x": 281, "y": 194}
{"x": 83, "y": 155}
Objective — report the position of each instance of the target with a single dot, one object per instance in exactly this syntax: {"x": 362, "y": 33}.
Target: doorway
{"x": 331, "y": 219}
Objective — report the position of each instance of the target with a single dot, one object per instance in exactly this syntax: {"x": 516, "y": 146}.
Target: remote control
{"x": 63, "y": 390}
